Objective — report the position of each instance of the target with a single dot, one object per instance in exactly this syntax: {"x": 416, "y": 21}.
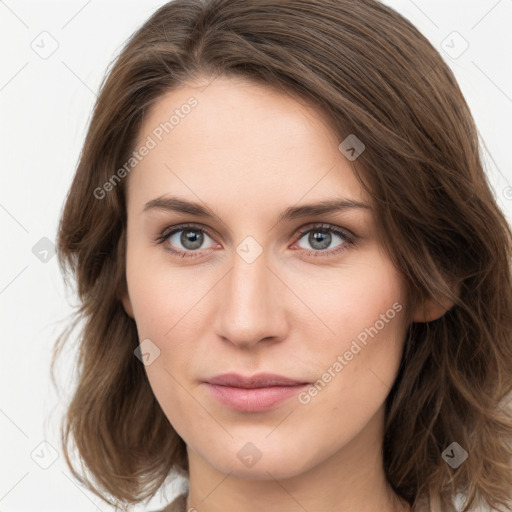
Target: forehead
{"x": 232, "y": 137}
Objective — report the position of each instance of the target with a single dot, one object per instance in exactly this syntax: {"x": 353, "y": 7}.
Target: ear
{"x": 127, "y": 304}
{"x": 431, "y": 309}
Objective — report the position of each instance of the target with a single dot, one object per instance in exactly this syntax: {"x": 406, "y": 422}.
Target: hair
{"x": 371, "y": 73}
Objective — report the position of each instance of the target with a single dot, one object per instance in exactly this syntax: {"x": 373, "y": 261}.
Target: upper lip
{"x": 260, "y": 380}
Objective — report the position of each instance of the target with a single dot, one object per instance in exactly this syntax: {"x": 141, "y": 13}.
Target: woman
{"x": 295, "y": 279}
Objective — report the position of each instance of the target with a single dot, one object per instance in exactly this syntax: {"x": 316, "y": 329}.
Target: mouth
{"x": 255, "y": 393}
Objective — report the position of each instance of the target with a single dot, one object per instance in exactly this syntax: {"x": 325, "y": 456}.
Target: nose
{"x": 251, "y": 304}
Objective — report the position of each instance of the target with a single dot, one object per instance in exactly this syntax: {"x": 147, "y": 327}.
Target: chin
{"x": 268, "y": 461}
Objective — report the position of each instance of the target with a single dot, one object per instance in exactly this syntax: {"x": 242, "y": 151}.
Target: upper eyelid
{"x": 182, "y": 227}
{"x": 326, "y": 226}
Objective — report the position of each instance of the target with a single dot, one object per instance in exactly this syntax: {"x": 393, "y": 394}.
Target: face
{"x": 255, "y": 283}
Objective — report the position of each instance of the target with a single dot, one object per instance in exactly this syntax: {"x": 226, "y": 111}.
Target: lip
{"x": 254, "y": 393}
{"x": 260, "y": 380}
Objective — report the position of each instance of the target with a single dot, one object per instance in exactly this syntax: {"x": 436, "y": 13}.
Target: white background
{"x": 45, "y": 108}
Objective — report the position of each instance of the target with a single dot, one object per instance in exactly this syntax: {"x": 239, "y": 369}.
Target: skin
{"x": 249, "y": 152}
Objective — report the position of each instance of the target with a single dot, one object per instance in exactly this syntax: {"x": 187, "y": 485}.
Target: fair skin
{"x": 248, "y": 153}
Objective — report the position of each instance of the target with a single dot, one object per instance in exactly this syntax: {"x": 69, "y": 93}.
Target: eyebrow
{"x": 175, "y": 204}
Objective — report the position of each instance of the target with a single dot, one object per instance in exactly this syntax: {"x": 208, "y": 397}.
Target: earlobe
{"x": 431, "y": 309}
{"x": 127, "y": 304}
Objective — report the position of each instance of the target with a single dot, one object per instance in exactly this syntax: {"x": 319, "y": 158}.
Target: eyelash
{"x": 348, "y": 238}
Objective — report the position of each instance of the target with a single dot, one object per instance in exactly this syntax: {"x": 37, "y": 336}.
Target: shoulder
{"x": 444, "y": 502}
{"x": 435, "y": 503}
{"x": 178, "y": 505}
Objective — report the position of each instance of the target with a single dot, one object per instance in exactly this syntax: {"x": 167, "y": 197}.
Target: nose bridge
{"x": 248, "y": 310}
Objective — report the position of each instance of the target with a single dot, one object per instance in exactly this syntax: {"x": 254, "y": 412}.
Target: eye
{"x": 184, "y": 240}
{"x": 321, "y": 236}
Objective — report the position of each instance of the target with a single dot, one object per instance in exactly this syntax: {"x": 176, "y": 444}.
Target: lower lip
{"x": 254, "y": 399}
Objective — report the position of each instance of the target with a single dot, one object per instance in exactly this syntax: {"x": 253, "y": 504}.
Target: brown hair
{"x": 372, "y": 74}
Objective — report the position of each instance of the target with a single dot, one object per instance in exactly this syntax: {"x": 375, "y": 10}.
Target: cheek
{"x": 161, "y": 296}
{"x": 169, "y": 309}
{"x": 352, "y": 298}
{"x": 162, "y": 302}
{"x": 365, "y": 316}
{"x": 357, "y": 365}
